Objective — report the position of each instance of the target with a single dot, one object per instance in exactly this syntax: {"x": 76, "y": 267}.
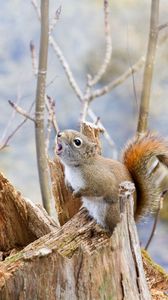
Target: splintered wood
{"x": 21, "y": 221}
{"x": 93, "y": 133}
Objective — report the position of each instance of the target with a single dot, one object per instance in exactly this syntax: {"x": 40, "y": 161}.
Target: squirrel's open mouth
{"x": 59, "y": 148}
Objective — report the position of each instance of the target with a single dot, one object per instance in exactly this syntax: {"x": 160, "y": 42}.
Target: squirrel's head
{"x": 74, "y": 148}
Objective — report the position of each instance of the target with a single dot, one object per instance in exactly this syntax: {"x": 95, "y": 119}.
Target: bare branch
{"x": 50, "y": 104}
{"x": 156, "y": 218}
{"x": 10, "y": 121}
{"x": 51, "y": 81}
{"x": 36, "y": 8}
{"x": 108, "y": 52}
{"x": 11, "y": 135}
{"x": 21, "y": 111}
{"x": 105, "y": 132}
{"x": 113, "y": 84}
{"x": 148, "y": 71}
{"x": 40, "y": 107}
{"x": 66, "y": 68}
{"x": 92, "y": 81}
{"x": 84, "y": 112}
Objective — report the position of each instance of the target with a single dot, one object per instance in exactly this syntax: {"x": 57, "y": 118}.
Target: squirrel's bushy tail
{"x": 147, "y": 161}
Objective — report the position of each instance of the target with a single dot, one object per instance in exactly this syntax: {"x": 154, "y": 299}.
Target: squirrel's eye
{"x": 77, "y": 142}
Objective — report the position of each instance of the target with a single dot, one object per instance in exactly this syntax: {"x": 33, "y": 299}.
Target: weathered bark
{"x": 21, "y": 221}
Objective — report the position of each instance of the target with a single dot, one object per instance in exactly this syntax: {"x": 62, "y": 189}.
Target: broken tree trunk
{"x": 77, "y": 261}
{"x": 21, "y": 221}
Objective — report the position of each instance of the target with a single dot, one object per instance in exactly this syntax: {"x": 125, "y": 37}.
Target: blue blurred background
{"x": 80, "y": 34}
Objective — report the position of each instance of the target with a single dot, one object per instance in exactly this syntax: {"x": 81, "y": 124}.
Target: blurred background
{"x": 80, "y": 34}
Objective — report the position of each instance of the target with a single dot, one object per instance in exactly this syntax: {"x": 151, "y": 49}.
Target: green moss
{"x": 103, "y": 290}
{"x": 155, "y": 266}
{"x": 13, "y": 258}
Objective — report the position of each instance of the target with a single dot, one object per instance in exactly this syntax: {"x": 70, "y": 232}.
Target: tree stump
{"x": 78, "y": 261}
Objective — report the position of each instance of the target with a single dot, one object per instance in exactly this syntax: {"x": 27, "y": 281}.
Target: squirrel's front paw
{"x": 76, "y": 194}
{"x": 68, "y": 186}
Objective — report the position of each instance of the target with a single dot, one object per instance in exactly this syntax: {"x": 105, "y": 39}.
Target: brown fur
{"x": 138, "y": 157}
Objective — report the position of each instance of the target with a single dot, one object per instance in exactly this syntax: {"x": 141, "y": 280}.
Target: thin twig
{"x": 92, "y": 81}
{"x": 21, "y": 111}
{"x": 66, "y": 68}
{"x": 55, "y": 19}
{"x": 11, "y": 135}
{"x": 10, "y": 121}
{"x": 51, "y": 81}
{"x": 50, "y": 104}
{"x": 40, "y": 108}
{"x": 116, "y": 82}
{"x": 105, "y": 132}
{"x": 154, "y": 224}
{"x": 108, "y": 52}
{"x": 148, "y": 71}
{"x": 36, "y": 8}
{"x": 162, "y": 26}
{"x": 130, "y": 65}
{"x": 84, "y": 112}
{"x": 86, "y": 102}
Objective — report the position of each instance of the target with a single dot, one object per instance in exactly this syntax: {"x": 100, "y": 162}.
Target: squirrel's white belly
{"x": 97, "y": 208}
{"x": 74, "y": 177}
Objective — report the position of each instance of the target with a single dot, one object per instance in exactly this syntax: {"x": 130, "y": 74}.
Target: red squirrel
{"x": 96, "y": 179}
